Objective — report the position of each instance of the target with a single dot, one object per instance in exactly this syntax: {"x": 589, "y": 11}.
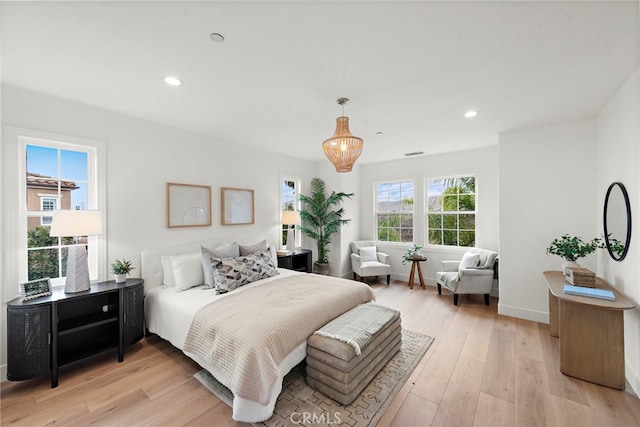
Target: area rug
{"x": 299, "y": 404}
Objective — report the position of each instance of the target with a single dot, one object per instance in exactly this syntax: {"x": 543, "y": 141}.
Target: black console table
{"x": 48, "y": 332}
{"x": 299, "y": 260}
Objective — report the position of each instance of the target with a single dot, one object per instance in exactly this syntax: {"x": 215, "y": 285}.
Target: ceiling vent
{"x": 415, "y": 153}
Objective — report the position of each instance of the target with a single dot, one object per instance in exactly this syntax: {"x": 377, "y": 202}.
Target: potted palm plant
{"x": 120, "y": 269}
{"x": 320, "y": 220}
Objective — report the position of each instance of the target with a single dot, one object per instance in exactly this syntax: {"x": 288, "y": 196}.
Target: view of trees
{"x": 448, "y": 220}
{"x": 44, "y": 262}
{"x": 397, "y": 227}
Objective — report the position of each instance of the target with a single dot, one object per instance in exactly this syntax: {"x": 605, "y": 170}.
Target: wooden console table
{"x": 591, "y": 332}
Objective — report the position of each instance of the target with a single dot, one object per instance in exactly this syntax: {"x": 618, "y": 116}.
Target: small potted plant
{"x": 572, "y": 248}
{"x": 120, "y": 269}
{"x": 411, "y": 254}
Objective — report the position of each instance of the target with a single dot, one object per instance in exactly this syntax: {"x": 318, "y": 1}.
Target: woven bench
{"x": 334, "y": 366}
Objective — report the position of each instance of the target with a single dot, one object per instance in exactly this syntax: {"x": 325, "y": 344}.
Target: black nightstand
{"x": 46, "y": 333}
{"x": 299, "y": 260}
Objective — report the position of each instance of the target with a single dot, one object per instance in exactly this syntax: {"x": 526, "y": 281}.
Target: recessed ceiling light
{"x": 172, "y": 81}
{"x": 470, "y": 114}
{"x": 217, "y": 37}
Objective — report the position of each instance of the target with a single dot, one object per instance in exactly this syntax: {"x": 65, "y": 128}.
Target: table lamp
{"x": 76, "y": 223}
{"x": 291, "y": 219}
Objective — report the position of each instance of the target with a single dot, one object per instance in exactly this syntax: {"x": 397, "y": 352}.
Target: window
{"x": 47, "y": 204}
{"x": 451, "y": 211}
{"x": 56, "y": 175}
{"x": 289, "y": 201}
{"x": 394, "y": 211}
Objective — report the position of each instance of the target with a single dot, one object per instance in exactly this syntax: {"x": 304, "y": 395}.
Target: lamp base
{"x": 291, "y": 239}
{"x": 78, "y": 279}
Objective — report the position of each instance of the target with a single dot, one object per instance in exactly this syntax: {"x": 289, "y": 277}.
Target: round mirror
{"x": 617, "y": 221}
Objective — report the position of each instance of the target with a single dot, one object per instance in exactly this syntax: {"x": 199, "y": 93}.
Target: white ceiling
{"x": 411, "y": 69}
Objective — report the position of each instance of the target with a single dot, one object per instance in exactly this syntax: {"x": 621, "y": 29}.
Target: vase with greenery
{"x": 411, "y": 253}
{"x": 572, "y": 248}
{"x": 320, "y": 219}
{"x": 120, "y": 269}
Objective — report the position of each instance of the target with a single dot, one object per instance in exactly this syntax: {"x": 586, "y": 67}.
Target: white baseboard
{"x": 523, "y": 313}
{"x": 633, "y": 377}
{"x": 3, "y": 373}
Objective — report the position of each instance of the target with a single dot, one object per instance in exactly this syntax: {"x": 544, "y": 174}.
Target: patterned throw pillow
{"x": 231, "y": 273}
{"x": 226, "y": 250}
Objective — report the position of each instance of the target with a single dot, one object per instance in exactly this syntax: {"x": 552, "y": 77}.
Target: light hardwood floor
{"x": 482, "y": 370}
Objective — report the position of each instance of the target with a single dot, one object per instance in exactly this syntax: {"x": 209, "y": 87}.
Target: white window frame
{"x": 375, "y": 212}
{"x": 96, "y": 194}
{"x": 296, "y": 205}
{"x": 46, "y": 220}
{"x": 426, "y": 210}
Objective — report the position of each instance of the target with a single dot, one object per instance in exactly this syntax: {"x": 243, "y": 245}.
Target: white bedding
{"x": 169, "y": 314}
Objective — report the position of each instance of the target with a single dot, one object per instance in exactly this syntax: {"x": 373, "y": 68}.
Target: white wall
{"x": 482, "y": 162}
{"x": 547, "y": 181}
{"x": 141, "y": 158}
{"x": 618, "y": 153}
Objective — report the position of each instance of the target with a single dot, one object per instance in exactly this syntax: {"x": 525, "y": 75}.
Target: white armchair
{"x": 366, "y": 261}
{"x": 473, "y": 274}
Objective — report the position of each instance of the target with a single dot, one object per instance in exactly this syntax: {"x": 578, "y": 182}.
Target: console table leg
{"x": 592, "y": 344}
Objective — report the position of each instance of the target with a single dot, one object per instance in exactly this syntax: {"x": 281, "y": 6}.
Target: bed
{"x": 249, "y": 350}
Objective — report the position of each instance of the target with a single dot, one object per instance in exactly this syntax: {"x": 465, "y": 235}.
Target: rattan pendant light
{"x": 343, "y": 149}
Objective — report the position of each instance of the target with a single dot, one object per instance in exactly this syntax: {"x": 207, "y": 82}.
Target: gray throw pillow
{"x": 249, "y": 249}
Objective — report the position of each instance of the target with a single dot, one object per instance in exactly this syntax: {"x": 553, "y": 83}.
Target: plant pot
{"x": 120, "y": 278}
{"x": 321, "y": 268}
{"x": 568, "y": 264}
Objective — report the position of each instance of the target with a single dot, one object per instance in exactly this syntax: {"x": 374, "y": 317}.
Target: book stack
{"x": 589, "y": 292}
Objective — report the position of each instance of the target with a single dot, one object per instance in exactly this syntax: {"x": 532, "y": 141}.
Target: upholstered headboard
{"x": 151, "y": 260}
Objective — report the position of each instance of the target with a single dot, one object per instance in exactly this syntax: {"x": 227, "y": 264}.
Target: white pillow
{"x": 167, "y": 271}
{"x": 469, "y": 260}
{"x": 187, "y": 271}
{"x": 368, "y": 253}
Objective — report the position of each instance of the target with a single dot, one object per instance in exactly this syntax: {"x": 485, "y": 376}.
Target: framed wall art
{"x": 237, "y": 206}
{"x": 35, "y": 289}
{"x": 188, "y": 205}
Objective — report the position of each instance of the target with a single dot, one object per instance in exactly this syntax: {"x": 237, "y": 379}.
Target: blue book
{"x": 589, "y": 292}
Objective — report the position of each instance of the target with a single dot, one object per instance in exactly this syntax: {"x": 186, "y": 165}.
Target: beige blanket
{"x": 246, "y": 335}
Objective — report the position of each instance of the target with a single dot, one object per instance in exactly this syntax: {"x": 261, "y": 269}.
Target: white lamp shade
{"x": 291, "y": 218}
{"x": 71, "y": 223}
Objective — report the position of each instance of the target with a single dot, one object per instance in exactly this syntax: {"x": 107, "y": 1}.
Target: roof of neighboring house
{"x": 43, "y": 181}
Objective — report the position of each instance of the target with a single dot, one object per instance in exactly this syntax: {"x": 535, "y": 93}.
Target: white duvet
{"x": 169, "y": 314}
